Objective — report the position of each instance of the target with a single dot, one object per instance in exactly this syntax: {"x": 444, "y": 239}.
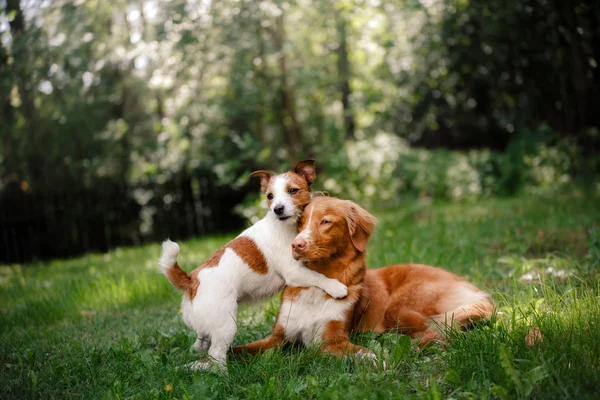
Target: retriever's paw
{"x": 336, "y": 289}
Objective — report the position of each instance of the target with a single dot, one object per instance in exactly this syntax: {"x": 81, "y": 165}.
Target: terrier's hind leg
{"x": 220, "y": 341}
{"x": 202, "y": 343}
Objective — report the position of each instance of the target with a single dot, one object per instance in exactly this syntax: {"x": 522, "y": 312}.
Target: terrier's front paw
{"x": 337, "y": 289}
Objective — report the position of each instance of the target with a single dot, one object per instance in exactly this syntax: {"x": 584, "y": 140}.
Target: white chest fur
{"x": 306, "y": 316}
{"x": 274, "y": 239}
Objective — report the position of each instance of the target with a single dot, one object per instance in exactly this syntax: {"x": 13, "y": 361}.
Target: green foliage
{"x": 594, "y": 246}
{"x": 144, "y": 91}
{"x": 154, "y": 97}
{"x": 107, "y": 325}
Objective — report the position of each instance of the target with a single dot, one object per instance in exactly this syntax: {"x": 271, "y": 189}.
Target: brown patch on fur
{"x": 306, "y": 169}
{"x": 361, "y": 225}
{"x": 291, "y": 292}
{"x": 244, "y": 247}
{"x": 265, "y": 178}
{"x": 249, "y": 252}
{"x": 408, "y": 298}
{"x": 178, "y": 277}
{"x": 265, "y": 183}
{"x": 336, "y": 340}
{"x": 274, "y": 340}
{"x": 302, "y": 197}
{"x": 213, "y": 261}
{"x": 374, "y": 296}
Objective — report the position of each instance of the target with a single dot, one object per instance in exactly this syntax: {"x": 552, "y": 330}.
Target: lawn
{"x": 107, "y": 325}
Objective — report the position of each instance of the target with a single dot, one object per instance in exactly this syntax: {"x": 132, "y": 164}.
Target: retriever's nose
{"x": 298, "y": 245}
{"x": 278, "y": 210}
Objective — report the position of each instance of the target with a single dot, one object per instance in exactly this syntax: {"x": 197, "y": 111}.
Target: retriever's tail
{"x": 465, "y": 315}
{"x": 168, "y": 264}
{"x": 460, "y": 317}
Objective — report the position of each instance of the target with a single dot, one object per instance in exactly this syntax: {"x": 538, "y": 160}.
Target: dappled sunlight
{"x": 83, "y": 287}
{"x": 107, "y": 292}
{"x": 538, "y": 269}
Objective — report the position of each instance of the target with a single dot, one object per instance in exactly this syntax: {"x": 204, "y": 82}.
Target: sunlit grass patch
{"x": 543, "y": 342}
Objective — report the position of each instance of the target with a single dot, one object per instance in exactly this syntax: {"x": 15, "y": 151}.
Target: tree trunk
{"x": 24, "y": 80}
{"x": 7, "y": 117}
{"x": 262, "y": 83}
{"x": 579, "y": 80}
{"x": 291, "y": 128}
{"x": 343, "y": 65}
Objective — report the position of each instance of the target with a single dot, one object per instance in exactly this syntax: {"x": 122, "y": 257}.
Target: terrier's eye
{"x": 324, "y": 222}
{"x": 270, "y": 196}
{"x": 293, "y": 190}
{"x": 299, "y": 223}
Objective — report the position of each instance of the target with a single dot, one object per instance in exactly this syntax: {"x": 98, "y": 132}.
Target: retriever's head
{"x": 331, "y": 226}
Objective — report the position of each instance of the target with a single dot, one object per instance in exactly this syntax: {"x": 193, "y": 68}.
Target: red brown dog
{"x": 413, "y": 299}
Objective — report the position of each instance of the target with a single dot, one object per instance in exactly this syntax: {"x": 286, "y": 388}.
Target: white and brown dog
{"x": 256, "y": 264}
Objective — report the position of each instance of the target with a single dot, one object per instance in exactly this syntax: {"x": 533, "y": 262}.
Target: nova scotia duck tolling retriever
{"x": 417, "y": 300}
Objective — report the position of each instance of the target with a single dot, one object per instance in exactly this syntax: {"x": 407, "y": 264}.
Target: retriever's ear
{"x": 265, "y": 177}
{"x": 360, "y": 225}
{"x": 306, "y": 169}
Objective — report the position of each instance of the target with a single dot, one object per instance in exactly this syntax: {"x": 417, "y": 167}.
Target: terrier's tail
{"x": 168, "y": 264}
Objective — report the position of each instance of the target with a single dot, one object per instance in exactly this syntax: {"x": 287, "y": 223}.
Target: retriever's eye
{"x": 299, "y": 223}
{"x": 293, "y": 190}
{"x": 325, "y": 222}
{"x": 270, "y": 196}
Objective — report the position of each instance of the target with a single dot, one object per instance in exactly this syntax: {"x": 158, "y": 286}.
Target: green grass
{"x": 107, "y": 325}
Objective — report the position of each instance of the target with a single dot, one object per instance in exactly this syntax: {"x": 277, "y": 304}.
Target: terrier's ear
{"x": 306, "y": 169}
{"x": 360, "y": 225}
{"x": 265, "y": 177}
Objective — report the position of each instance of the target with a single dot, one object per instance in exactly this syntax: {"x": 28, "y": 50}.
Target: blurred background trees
{"x": 133, "y": 120}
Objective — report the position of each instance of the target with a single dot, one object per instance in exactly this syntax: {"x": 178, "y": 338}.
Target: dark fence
{"x": 36, "y": 226}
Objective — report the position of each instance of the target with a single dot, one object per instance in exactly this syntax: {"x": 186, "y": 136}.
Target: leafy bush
{"x": 380, "y": 171}
{"x": 371, "y": 173}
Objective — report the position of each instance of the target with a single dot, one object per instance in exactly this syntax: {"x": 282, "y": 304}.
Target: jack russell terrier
{"x": 256, "y": 264}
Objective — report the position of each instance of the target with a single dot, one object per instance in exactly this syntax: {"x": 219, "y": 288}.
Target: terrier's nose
{"x": 298, "y": 245}
{"x": 278, "y": 210}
